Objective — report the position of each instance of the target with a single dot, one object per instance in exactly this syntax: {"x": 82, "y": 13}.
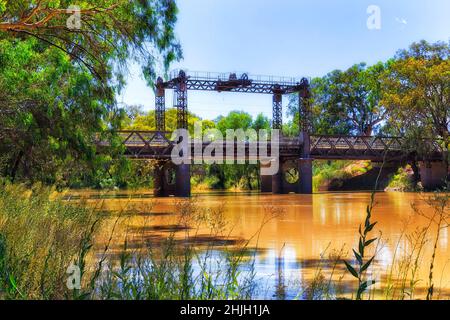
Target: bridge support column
{"x": 183, "y": 171}
{"x": 160, "y": 106}
{"x": 182, "y": 102}
{"x": 277, "y": 183}
{"x": 183, "y": 181}
{"x": 306, "y": 173}
{"x": 265, "y": 182}
{"x": 433, "y": 174}
{"x": 164, "y": 181}
{"x": 158, "y": 181}
{"x": 277, "y": 180}
{"x": 277, "y": 109}
{"x": 305, "y": 165}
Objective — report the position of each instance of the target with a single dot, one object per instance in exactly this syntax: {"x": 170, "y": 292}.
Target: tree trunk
{"x": 16, "y": 165}
{"x": 416, "y": 175}
{"x": 368, "y": 131}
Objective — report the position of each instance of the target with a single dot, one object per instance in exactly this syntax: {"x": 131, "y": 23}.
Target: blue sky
{"x": 292, "y": 38}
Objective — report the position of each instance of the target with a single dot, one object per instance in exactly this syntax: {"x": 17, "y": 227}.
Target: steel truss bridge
{"x": 158, "y": 145}
{"x": 298, "y": 152}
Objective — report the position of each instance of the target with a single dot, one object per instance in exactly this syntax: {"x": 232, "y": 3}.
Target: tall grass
{"x": 42, "y": 235}
{"x": 39, "y": 238}
{"x": 177, "y": 269}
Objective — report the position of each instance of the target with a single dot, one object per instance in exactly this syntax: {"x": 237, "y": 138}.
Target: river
{"x": 294, "y": 236}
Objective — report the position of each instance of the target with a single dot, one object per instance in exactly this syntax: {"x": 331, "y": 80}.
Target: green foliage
{"x": 401, "y": 181}
{"x": 59, "y": 85}
{"x": 147, "y": 121}
{"x": 325, "y": 171}
{"x": 416, "y": 92}
{"x": 110, "y": 33}
{"x": 261, "y": 122}
{"x": 50, "y": 111}
{"x": 346, "y": 101}
{"x": 235, "y": 120}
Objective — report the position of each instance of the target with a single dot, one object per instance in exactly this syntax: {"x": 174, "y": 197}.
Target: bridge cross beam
{"x": 160, "y": 106}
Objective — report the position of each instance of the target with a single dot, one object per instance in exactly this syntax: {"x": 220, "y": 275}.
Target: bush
{"x": 402, "y": 181}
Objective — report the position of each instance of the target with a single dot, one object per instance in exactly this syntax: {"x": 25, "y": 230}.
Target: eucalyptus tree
{"x": 60, "y": 70}
{"x": 347, "y": 101}
{"x": 416, "y": 93}
{"x": 416, "y": 89}
{"x": 99, "y": 34}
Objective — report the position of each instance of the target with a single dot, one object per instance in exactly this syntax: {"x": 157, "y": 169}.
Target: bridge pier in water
{"x": 277, "y": 182}
{"x": 293, "y": 176}
{"x": 171, "y": 180}
{"x": 183, "y": 181}
{"x": 164, "y": 179}
{"x": 265, "y": 183}
{"x": 433, "y": 174}
{"x": 306, "y": 173}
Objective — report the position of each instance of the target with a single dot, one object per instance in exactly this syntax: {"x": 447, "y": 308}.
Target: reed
{"x": 39, "y": 238}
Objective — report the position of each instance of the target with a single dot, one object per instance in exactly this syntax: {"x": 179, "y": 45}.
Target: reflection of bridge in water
{"x": 295, "y": 154}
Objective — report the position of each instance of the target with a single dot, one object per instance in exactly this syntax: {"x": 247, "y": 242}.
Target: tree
{"x": 133, "y": 111}
{"x": 51, "y": 110}
{"x": 328, "y": 115}
{"x": 346, "y": 101}
{"x": 99, "y": 34}
{"x": 261, "y": 123}
{"x": 417, "y": 90}
{"x": 360, "y": 97}
{"x": 238, "y": 175}
{"x": 235, "y": 120}
{"x": 58, "y": 82}
{"x": 148, "y": 122}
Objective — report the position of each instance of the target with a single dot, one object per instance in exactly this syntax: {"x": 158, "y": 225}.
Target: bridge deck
{"x": 157, "y": 145}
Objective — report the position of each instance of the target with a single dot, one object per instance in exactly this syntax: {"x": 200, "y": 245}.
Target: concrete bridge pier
{"x": 305, "y": 168}
{"x": 272, "y": 183}
{"x": 265, "y": 182}
{"x": 158, "y": 181}
{"x": 164, "y": 179}
{"x": 277, "y": 182}
{"x": 183, "y": 181}
{"x": 433, "y": 174}
{"x": 306, "y": 173}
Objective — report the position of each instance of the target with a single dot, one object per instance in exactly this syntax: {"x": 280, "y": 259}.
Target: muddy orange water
{"x": 295, "y": 236}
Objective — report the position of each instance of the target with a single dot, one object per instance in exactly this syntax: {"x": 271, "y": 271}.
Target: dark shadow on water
{"x": 160, "y": 228}
{"x": 197, "y": 241}
{"x": 154, "y": 214}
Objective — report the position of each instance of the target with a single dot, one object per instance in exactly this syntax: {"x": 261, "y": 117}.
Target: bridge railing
{"x": 224, "y": 76}
{"x": 368, "y": 146}
{"x": 355, "y": 142}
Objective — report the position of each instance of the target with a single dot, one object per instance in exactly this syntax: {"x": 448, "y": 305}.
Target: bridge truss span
{"x": 158, "y": 145}
{"x": 375, "y": 148}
